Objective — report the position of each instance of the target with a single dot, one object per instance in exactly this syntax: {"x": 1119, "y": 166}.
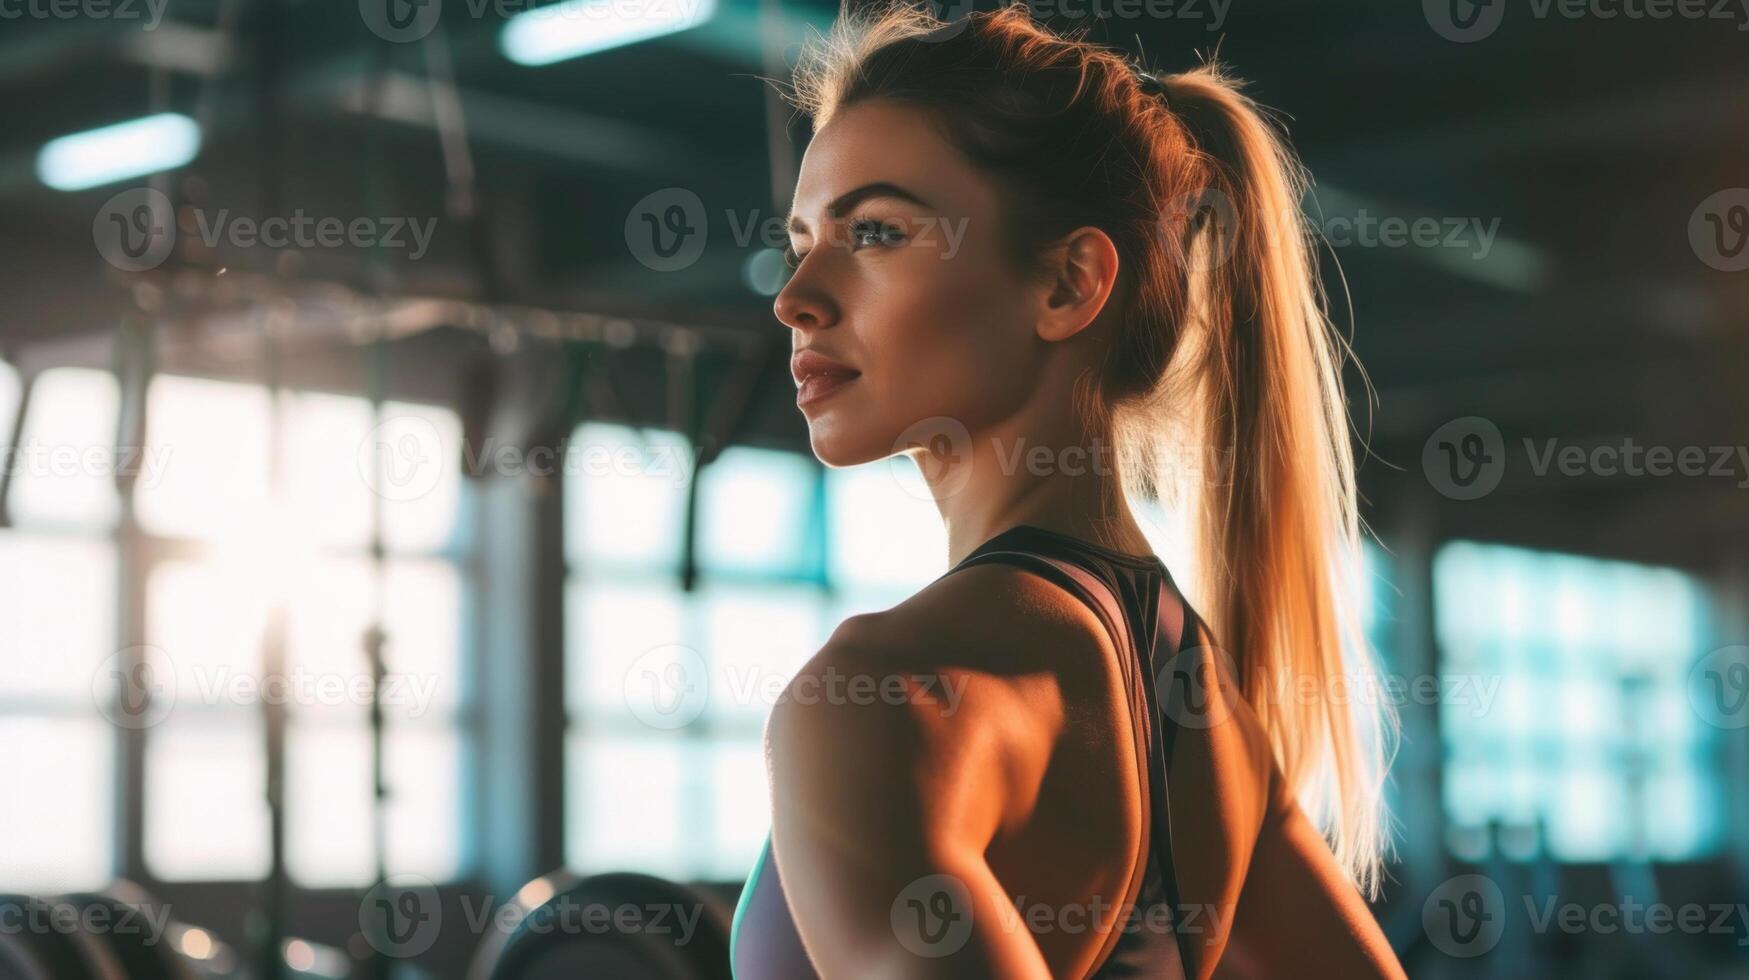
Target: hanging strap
{"x": 1160, "y": 728}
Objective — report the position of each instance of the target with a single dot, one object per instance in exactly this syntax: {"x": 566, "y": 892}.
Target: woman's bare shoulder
{"x": 962, "y": 689}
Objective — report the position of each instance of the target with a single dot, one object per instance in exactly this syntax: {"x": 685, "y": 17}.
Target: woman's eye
{"x": 790, "y": 258}
{"x": 865, "y": 232}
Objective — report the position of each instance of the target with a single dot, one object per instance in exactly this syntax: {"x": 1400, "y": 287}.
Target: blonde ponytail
{"x": 1255, "y": 382}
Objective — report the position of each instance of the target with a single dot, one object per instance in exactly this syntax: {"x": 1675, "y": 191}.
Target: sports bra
{"x": 1134, "y": 595}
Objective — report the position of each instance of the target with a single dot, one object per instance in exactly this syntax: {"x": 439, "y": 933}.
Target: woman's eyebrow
{"x": 850, "y": 199}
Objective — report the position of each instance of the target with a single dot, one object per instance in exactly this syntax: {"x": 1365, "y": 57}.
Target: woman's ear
{"x": 1081, "y": 271}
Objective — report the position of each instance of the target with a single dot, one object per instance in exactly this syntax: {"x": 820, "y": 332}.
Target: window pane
{"x": 57, "y": 615}
{"x": 609, "y": 626}
{"x": 625, "y": 797}
{"x": 329, "y": 497}
{"x": 206, "y": 805}
{"x": 756, "y": 510}
{"x": 881, "y": 531}
{"x": 422, "y": 609}
{"x": 329, "y": 615}
{"x": 412, "y": 462}
{"x": 1589, "y": 730}
{"x": 209, "y": 626}
{"x": 214, "y": 437}
{"x": 754, "y": 640}
{"x": 55, "y": 826}
{"x": 740, "y": 808}
{"x": 625, "y": 496}
{"x": 65, "y": 461}
{"x": 328, "y": 798}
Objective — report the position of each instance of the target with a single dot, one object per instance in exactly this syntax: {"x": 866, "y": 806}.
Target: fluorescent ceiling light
{"x": 574, "y": 28}
{"x": 111, "y": 153}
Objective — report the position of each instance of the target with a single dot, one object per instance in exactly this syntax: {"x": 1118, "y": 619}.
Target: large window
{"x": 242, "y": 557}
{"x": 236, "y": 545}
{"x": 669, "y": 691}
{"x": 1576, "y": 713}
{"x": 57, "y": 631}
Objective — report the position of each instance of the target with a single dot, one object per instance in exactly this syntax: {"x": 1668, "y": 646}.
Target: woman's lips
{"x": 822, "y": 385}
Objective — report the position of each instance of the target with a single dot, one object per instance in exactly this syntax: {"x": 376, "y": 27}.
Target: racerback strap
{"x": 1160, "y": 726}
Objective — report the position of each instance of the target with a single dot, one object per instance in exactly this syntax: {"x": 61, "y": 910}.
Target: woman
{"x": 1042, "y": 273}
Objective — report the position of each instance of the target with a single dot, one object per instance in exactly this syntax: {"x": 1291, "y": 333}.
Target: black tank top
{"x": 1135, "y": 597}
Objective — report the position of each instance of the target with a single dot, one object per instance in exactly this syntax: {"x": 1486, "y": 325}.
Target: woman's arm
{"x": 1265, "y": 895}
{"x": 886, "y": 795}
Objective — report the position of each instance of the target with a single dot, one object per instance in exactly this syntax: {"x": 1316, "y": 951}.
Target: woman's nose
{"x": 801, "y": 307}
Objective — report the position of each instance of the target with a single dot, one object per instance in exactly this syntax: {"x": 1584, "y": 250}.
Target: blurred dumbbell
{"x": 607, "y": 927}
{"x": 44, "y": 940}
{"x": 133, "y": 926}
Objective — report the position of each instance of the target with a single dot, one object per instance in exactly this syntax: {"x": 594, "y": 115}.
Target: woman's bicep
{"x": 879, "y": 826}
{"x": 1299, "y": 912}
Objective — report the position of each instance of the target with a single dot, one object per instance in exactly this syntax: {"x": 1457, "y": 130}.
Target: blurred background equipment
{"x": 406, "y": 525}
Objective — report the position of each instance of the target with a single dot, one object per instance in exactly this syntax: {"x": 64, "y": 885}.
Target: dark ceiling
{"x": 1584, "y": 142}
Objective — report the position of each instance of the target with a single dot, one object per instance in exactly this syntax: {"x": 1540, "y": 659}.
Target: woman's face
{"x": 902, "y": 279}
